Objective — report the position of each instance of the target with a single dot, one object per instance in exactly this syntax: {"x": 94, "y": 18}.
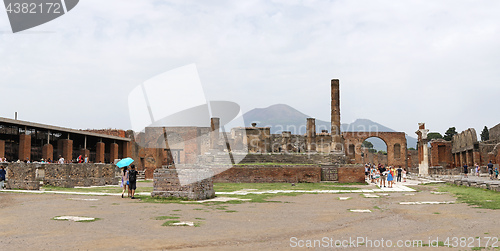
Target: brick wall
{"x": 351, "y": 174}
{"x": 270, "y": 174}
{"x": 111, "y": 132}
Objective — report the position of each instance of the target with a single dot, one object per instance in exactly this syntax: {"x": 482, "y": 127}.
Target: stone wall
{"x": 290, "y": 158}
{"x": 441, "y": 153}
{"x": 166, "y": 184}
{"x": 270, "y": 174}
{"x": 28, "y": 176}
{"x": 71, "y": 175}
{"x": 22, "y": 176}
{"x": 495, "y": 133}
{"x": 351, "y": 174}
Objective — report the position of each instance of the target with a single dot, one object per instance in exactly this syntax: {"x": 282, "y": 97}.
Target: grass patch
{"x": 166, "y": 217}
{"x": 175, "y": 214}
{"x": 115, "y": 204}
{"x": 145, "y": 181}
{"x": 198, "y": 209}
{"x": 376, "y": 207}
{"x": 479, "y": 197}
{"x": 436, "y": 213}
{"x": 199, "y": 218}
{"x": 230, "y": 211}
{"x": 176, "y": 210}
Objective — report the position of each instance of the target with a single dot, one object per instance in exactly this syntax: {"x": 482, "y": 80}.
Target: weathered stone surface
{"x": 61, "y": 175}
{"x": 351, "y": 174}
{"x": 167, "y": 184}
{"x": 270, "y": 174}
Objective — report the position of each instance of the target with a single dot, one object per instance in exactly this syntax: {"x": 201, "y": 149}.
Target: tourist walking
{"x": 2, "y": 176}
{"x": 466, "y": 170}
{"x": 490, "y": 169}
{"x": 496, "y": 172}
{"x": 132, "y": 178}
{"x": 399, "y": 170}
{"x": 367, "y": 169}
{"x": 390, "y": 178}
{"x": 125, "y": 181}
{"x": 476, "y": 166}
{"x": 383, "y": 174}
{"x": 404, "y": 175}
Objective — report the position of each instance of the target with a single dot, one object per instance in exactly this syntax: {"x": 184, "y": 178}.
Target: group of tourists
{"x": 492, "y": 172}
{"x": 129, "y": 181}
{"x": 380, "y": 174}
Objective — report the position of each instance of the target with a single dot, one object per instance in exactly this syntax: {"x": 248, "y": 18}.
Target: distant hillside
{"x": 282, "y": 117}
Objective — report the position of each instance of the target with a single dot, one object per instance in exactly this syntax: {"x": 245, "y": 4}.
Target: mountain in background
{"x": 283, "y": 117}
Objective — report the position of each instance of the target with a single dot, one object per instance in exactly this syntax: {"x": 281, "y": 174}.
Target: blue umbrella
{"x": 124, "y": 162}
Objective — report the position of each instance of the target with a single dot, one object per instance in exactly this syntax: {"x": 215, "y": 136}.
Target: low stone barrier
{"x": 197, "y": 183}
{"x": 487, "y": 184}
{"x": 28, "y": 176}
{"x": 270, "y": 174}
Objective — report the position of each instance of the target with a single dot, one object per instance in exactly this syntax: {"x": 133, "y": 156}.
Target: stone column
{"x": 67, "y": 149}
{"x": 285, "y": 141}
{"x": 311, "y": 134}
{"x": 99, "y": 152}
{"x": 214, "y": 133}
{"x": 423, "y": 166}
{"x": 24, "y": 147}
{"x": 336, "y": 136}
{"x": 48, "y": 152}
{"x": 2, "y": 148}
{"x": 126, "y": 149}
{"x": 113, "y": 152}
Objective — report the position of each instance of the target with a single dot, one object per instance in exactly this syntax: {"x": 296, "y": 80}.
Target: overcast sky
{"x": 399, "y": 62}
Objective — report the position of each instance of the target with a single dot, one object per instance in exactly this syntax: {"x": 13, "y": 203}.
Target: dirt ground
{"x": 26, "y": 223}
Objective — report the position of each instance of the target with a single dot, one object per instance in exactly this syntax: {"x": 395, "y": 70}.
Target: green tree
{"x": 448, "y": 135}
{"x": 367, "y": 144}
{"x": 434, "y": 135}
{"x": 411, "y": 148}
{"x": 382, "y": 152}
{"x": 485, "y": 134}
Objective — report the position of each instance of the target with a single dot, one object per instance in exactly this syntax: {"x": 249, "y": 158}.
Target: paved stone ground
{"x": 26, "y": 222}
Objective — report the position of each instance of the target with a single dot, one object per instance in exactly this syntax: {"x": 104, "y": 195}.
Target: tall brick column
{"x": 126, "y": 149}
{"x": 113, "y": 152}
{"x": 48, "y": 152}
{"x": 336, "y": 134}
{"x": 24, "y": 147}
{"x": 99, "y": 152}
{"x": 311, "y": 134}
{"x": 2, "y": 148}
{"x": 214, "y": 134}
{"x": 67, "y": 149}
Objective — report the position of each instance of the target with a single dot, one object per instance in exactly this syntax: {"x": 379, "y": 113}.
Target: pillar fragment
{"x": 24, "y": 147}
{"x": 99, "y": 152}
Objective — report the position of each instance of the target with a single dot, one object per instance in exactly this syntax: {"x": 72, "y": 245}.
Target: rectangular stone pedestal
{"x": 166, "y": 184}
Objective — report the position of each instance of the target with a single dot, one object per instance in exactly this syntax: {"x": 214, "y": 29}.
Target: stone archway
{"x": 395, "y": 141}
